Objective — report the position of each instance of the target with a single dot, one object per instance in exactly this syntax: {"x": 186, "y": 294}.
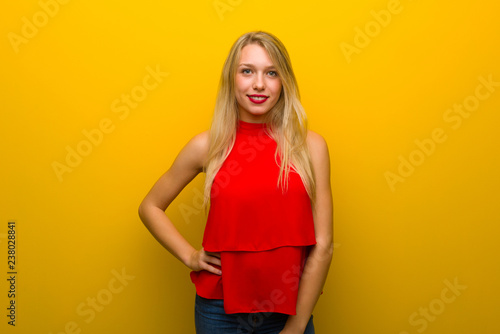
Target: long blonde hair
{"x": 287, "y": 120}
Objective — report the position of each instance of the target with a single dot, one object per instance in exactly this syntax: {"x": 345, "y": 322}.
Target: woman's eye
{"x": 248, "y": 71}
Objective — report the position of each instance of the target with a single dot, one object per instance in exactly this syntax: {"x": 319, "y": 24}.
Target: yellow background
{"x": 395, "y": 247}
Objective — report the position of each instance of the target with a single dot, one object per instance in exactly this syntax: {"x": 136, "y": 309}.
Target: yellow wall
{"x": 415, "y": 182}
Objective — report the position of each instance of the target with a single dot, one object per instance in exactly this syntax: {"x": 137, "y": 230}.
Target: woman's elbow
{"x": 325, "y": 247}
{"x": 143, "y": 210}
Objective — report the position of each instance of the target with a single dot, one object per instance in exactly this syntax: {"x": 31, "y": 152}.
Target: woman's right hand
{"x": 203, "y": 260}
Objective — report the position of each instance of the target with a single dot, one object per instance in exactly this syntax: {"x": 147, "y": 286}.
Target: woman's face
{"x": 257, "y": 84}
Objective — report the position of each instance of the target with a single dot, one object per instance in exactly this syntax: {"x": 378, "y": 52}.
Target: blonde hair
{"x": 287, "y": 120}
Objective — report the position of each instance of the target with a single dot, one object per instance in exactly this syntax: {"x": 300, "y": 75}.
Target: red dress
{"x": 263, "y": 235}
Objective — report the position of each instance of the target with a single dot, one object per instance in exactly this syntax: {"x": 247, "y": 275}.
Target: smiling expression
{"x": 257, "y": 84}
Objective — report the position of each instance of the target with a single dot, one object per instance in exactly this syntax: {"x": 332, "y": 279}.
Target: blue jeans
{"x": 210, "y": 318}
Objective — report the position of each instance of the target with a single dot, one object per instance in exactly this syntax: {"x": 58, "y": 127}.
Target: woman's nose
{"x": 258, "y": 82}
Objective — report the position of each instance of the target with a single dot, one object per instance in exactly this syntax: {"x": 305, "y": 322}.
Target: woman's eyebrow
{"x": 251, "y": 65}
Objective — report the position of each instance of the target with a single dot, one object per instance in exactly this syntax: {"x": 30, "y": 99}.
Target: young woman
{"x": 268, "y": 241}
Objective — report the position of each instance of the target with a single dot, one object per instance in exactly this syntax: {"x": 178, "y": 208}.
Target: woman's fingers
{"x": 213, "y": 259}
{"x": 212, "y": 269}
{"x": 206, "y": 259}
{"x": 215, "y": 254}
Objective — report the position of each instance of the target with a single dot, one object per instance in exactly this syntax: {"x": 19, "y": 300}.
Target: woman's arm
{"x": 318, "y": 263}
{"x": 188, "y": 163}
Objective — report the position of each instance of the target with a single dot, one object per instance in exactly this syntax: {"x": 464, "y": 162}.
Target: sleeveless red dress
{"x": 262, "y": 234}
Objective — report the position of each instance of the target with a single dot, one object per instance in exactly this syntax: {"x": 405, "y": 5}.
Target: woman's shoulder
{"x": 200, "y": 141}
{"x": 315, "y": 141}
{"x": 197, "y": 148}
{"x": 317, "y": 146}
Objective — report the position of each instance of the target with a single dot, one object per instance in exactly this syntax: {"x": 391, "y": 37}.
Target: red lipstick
{"x": 258, "y": 99}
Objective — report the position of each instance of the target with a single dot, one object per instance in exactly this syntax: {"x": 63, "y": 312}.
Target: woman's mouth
{"x": 258, "y": 99}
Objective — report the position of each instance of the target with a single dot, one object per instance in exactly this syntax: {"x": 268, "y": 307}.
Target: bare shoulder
{"x": 317, "y": 146}
{"x": 199, "y": 142}
{"x": 195, "y": 152}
